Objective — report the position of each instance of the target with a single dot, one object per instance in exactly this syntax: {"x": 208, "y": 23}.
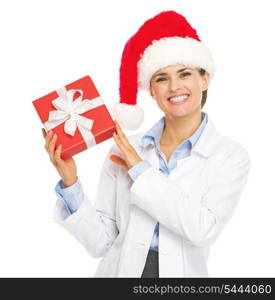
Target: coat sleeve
{"x": 94, "y": 226}
{"x": 198, "y": 221}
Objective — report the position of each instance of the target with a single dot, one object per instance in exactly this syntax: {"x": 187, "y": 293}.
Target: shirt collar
{"x": 153, "y": 135}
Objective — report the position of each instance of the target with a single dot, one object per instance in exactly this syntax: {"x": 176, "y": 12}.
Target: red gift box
{"x": 78, "y": 116}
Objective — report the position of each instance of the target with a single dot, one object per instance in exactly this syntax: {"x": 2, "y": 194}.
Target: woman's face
{"x": 178, "y": 90}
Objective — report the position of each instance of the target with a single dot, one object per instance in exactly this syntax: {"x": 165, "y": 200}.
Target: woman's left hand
{"x": 130, "y": 154}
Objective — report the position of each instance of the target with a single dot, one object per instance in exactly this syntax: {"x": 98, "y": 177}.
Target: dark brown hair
{"x": 204, "y": 93}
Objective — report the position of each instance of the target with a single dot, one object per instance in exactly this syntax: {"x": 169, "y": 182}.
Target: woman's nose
{"x": 175, "y": 84}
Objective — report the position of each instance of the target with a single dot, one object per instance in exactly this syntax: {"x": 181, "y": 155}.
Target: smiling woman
{"x": 178, "y": 90}
{"x": 164, "y": 195}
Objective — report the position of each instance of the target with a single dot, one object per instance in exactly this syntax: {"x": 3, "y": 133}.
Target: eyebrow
{"x": 162, "y": 74}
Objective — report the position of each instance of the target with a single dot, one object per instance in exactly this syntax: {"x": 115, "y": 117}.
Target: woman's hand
{"x": 130, "y": 154}
{"x": 65, "y": 168}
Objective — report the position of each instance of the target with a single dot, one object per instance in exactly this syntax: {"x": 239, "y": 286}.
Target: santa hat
{"x": 166, "y": 39}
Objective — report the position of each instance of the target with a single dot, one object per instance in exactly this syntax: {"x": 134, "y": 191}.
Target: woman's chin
{"x": 181, "y": 112}
{"x": 178, "y": 114}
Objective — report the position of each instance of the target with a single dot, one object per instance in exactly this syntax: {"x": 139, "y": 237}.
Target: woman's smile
{"x": 179, "y": 99}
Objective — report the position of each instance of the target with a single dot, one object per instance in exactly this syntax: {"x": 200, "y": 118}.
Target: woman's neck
{"x": 177, "y": 130}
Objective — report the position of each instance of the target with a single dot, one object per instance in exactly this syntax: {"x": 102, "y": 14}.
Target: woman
{"x": 164, "y": 195}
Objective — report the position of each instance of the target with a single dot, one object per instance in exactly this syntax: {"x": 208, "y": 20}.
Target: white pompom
{"x": 129, "y": 117}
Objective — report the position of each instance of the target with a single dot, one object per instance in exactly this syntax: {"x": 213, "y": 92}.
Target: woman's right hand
{"x": 66, "y": 168}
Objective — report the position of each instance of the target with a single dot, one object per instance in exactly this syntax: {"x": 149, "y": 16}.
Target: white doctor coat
{"x": 192, "y": 204}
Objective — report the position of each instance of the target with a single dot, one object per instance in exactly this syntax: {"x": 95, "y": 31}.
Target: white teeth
{"x": 178, "y": 99}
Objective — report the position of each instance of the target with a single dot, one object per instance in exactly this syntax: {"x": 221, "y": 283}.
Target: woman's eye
{"x": 160, "y": 79}
{"x": 185, "y": 74}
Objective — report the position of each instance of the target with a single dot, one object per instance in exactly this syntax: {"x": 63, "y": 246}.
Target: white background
{"x": 47, "y": 44}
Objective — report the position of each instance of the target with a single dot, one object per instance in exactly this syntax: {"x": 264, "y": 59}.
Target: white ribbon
{"x": 69, "y": 110}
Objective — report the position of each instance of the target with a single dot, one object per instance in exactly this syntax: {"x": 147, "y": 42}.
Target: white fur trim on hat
{"x": 130, "y": 117}
{"x": 171, "y": 51}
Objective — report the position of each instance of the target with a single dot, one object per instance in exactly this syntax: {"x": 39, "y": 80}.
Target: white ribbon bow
{"x": 69, "y": 110}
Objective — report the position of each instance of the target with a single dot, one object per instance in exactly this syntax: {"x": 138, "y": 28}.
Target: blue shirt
{"x": 73, "y": 195}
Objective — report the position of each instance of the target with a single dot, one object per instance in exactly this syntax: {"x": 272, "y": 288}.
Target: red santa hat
{"x": 166, "y": 39}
